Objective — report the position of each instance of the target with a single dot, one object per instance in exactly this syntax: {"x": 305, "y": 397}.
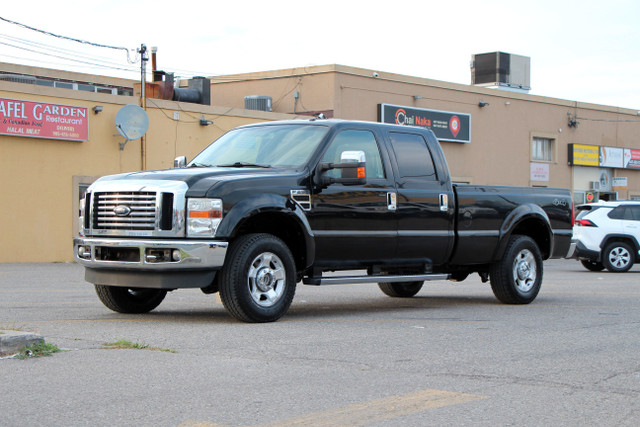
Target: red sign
{"x": 41, "y": 120}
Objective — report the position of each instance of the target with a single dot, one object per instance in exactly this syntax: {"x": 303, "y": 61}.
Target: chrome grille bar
{"x": 140, "y": 208}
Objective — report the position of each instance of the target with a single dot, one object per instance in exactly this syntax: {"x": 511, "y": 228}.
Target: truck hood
{"x": 201, "y": 180}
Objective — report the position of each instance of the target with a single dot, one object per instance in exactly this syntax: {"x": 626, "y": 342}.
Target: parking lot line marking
{"x": 375, "y": 411}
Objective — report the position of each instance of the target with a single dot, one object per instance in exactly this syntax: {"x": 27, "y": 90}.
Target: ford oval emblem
{"x": 122, "y": 210}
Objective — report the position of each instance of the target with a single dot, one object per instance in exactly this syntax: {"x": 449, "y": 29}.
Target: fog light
{"x": 84, "y": 252}
{"x": 176, "y": 255}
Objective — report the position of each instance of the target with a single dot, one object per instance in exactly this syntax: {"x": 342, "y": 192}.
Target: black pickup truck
{"x": 269, "y": 205}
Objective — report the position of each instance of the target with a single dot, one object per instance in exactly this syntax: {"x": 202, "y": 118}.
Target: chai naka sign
{"x": 43, "y": 120}
{"x": 447, "y": 126}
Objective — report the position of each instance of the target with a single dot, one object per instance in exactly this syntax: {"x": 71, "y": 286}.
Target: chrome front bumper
{"x": 149, "y": 254}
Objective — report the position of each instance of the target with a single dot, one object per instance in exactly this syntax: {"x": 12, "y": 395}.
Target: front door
{"x": 355, "y": 222}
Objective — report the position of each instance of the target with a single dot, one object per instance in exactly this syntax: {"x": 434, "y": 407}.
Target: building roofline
{"x": 64, "y": 75}
{"x": 402, "y": 78}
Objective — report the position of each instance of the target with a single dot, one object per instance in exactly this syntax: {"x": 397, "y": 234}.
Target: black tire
{"x": 517, "y": 277}
{"x": 592, "y": 265}
{"x": 618, "y": 257}
{"x": 258, "y": 281}
{"x": 130, "y": 300}
{"x": 400, "y": 289}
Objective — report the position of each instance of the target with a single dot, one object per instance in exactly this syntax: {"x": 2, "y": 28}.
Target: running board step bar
{"x": 344, "y": 280}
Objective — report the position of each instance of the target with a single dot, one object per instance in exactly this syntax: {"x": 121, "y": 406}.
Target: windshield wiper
{"x": 243, "y": 165}
{"x": 199, "y": 165}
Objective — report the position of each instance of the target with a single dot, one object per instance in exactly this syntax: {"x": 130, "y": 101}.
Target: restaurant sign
{"x": 42, "y": 120}
{"x": 447, "y": 126}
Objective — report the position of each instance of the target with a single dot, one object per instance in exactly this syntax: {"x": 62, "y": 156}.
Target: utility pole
{"x": 143, "y": 99}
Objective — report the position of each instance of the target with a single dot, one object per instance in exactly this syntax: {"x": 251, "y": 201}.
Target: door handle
{"x": 392, "y": 201}
{"x": 444, "y": 202}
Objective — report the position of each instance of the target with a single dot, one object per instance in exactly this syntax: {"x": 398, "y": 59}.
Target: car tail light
{"x": 585, "y": 223}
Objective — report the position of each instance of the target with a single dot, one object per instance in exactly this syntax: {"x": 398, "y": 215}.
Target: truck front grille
{"x": 124, "y": 211}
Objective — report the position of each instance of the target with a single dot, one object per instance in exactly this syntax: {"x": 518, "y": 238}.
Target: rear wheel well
{"x": 285, "y": 227}
{"x": 538, "y": 231}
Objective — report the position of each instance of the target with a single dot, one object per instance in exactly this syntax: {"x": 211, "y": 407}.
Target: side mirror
{"x": 352, "y": 168}
{"x": 180, "y": 162}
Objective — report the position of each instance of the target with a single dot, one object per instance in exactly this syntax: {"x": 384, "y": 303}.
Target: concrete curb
{"x": 12, "y": 341}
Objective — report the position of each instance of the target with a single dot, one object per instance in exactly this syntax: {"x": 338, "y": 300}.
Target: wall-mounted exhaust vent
{"x": 257, "y": 102}
{"x": 501, "y": 70}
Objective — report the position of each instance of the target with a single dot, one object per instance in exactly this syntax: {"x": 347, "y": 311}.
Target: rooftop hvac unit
{"x": 502, "y": 71}
{"x": 18, "y": 78}
{"x": 257, "y": 102}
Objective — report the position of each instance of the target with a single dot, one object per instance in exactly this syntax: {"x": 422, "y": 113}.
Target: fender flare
{"x": 619, "y": 236}
{"x": 268, "y": 203}
{"x": 517, "y": 216}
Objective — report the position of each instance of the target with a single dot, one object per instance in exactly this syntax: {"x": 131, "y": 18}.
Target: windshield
{"x": 282, "y": 146}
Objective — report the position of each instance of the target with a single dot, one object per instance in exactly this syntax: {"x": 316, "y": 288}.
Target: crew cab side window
{"x": 413, "y": 156}
{"x": 356, "y": 140}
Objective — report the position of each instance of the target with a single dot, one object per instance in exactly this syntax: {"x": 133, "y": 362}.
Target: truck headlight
{"x": 81, "y": 216}
{"x": 203, "y": 217}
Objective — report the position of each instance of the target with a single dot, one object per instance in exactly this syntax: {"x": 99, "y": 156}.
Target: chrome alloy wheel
{"x": 619, "y": 257}
{"x": 266, "y": 279}
{"x": 524, "y": 271}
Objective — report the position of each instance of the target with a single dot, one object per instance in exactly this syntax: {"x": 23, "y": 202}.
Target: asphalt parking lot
{"x": 343, "y": 355}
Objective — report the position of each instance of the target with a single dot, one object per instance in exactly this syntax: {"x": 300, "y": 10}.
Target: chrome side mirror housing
{"x": 180, "y": 162}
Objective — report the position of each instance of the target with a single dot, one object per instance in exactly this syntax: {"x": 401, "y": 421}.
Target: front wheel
{"x": 400, "y": 289}
{"x": 130, "y": 300}
{"x": 517, "y": 277}
{"x": 258, "y": 281}
{"x": 618, "y": 257}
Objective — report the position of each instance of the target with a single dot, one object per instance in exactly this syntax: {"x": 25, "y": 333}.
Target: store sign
{"x": 447, "y": 126}
{"x": 611, "y": 157}
{"x": 539, "y": 172}
{"x": 584, "y": 155}
{"x": 619, "y": 183}
{"x": 631, "y": 159}
{"x": 604, "y": 157}
{"x": 42, "y": 120}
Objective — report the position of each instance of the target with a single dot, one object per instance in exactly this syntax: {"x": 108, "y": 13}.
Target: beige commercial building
{"x": 490, "y": 136}
{"x": 513, "y": 138}
{"x": 56, "y": 140}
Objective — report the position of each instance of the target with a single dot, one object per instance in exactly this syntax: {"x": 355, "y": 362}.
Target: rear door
{"x": 425, "y": 201}
{"x": 631, "y": 224}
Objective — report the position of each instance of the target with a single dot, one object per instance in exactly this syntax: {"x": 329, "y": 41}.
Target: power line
{"x": 69, "y": 38}
{"x": 64, "y": 58}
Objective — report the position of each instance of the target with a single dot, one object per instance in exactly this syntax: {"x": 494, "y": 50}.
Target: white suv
{"x": 607, "y": 235}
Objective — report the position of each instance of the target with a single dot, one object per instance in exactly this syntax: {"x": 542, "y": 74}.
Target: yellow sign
{"x": 586, "y": 155}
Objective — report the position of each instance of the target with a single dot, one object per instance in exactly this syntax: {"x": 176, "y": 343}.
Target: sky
{"x": 587, "y": 51}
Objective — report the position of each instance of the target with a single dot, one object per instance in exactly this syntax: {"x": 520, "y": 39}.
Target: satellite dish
{"x": 131, "y": 122}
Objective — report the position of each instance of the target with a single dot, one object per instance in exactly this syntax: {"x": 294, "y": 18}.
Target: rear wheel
{"x": 130, "y": 300}
{"x": 592, "y": 265}
{"x": 258, "y": 281}
{"x": 400, "y": 289}
{"x": 617, "y": 257}
{"x": 517, "y": 277}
